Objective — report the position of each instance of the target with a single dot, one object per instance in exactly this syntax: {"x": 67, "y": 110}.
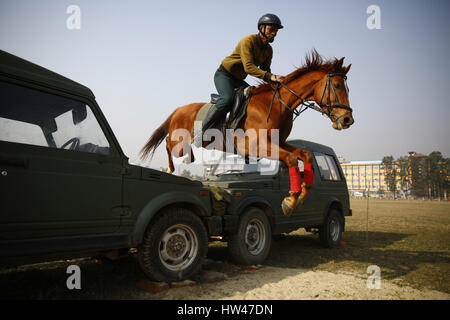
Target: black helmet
{"x": 270, "y": 19}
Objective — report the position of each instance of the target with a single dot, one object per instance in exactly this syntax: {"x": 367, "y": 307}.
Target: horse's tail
{"x": 155, "y": 140}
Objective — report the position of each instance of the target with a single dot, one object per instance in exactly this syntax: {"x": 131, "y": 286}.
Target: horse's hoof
{"x": 287, "y": 210}
{"x": 299, "y": 202}
{"x": 305, "y": 190}
{"x": 301, "y": 199}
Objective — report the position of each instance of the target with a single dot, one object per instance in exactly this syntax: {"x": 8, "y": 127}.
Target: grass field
{"x": 408, "y": 240}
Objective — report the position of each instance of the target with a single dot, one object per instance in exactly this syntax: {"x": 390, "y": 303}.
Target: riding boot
{"x": 212, "y": 116}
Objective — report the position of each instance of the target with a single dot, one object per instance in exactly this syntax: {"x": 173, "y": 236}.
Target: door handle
{"x": 121, "y": 211}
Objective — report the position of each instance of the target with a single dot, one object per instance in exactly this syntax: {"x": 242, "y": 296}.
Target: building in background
{"x": 369, "y": 176}
{"x": 412, "y": 176}
{"x": 363, "y": 176}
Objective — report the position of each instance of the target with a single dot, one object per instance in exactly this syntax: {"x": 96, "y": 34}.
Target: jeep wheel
{"x": 174, "y": 246}
{"x": 251, "y": 244}
{"x": 330, "y": 232}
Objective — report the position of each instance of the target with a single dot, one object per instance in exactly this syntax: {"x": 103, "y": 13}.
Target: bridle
{"x": 304, "y": 105}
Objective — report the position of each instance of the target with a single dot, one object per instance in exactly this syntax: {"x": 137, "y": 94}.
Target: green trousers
{"x": 225, "y": 85}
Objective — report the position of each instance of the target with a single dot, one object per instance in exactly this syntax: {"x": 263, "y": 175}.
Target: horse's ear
{"x": 339, "y": 63}
{"x": 347, "y": 68}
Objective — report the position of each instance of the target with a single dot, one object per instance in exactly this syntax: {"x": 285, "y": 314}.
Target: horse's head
{"x": 331, "y": 93}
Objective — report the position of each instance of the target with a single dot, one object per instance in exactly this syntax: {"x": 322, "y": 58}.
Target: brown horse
{"x": 318, "y": 80}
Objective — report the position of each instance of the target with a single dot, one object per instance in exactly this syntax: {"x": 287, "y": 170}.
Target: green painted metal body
{"x": 57, "y": 201}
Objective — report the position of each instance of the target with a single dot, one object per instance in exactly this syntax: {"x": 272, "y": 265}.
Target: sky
{"x": 143, "y": 59}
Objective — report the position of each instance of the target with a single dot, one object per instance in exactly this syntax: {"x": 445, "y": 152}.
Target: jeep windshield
{"x": 235, "y": 165}
{"x": 34, "y": 117}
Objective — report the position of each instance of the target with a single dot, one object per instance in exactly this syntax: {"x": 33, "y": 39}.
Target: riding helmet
{"x": 270, "y": 18}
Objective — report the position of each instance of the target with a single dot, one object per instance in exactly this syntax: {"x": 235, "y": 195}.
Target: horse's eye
{"x": 337, "y": 85}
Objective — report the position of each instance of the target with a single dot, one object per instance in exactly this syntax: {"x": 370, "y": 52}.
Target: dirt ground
{"x": 274, "y": 283}
{"x": 409, "y": 241}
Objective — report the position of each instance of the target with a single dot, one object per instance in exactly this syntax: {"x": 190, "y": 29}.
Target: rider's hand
{"x": 276, "y": 78}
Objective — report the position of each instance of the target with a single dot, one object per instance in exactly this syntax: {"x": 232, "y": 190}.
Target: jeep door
{"x": 60, "y": 176}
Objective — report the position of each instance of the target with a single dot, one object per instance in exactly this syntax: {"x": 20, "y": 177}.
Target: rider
{"x": 253, "y": 56}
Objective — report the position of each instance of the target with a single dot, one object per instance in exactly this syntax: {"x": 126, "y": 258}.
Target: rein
{"x": 305, "y": 105}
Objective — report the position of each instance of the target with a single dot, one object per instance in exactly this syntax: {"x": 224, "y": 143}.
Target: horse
{"x": 320, "y": 81}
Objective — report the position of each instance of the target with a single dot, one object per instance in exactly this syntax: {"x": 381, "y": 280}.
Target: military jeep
{"x": 257, "y": 190}
{"x": 68, "y": 190}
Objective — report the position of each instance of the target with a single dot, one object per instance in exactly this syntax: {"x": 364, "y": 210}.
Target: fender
{"x": 333, "y": 201}
{"x": 232, "y": 219}
{"x": 164, "y": 200}
{"x": 253, "y": 200}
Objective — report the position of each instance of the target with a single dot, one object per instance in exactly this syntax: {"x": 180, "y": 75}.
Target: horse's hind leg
{"x": 177, "y": 148}
{"x": 190, "y": 158}
{"x": 171, "y": 167}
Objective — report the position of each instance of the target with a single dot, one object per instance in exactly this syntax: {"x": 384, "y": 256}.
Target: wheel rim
{"x": 255, "y": 236}
{"x": 335, "y": 229}
{"x": 178, "y": 247}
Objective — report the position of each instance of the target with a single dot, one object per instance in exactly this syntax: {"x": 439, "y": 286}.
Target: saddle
{"x": 232, "y": 119}
{"x": 235, "y": 115}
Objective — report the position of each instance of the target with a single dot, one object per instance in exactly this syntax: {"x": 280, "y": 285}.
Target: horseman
{"x": 252, "y": 56}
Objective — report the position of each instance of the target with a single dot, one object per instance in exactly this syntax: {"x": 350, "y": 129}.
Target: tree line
{"x": 423, "y": 176}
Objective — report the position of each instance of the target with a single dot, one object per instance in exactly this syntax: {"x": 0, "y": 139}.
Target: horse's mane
{"x": 313, "y": 62}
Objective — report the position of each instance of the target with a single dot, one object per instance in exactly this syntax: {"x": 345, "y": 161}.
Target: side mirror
{"x": 79, "y": 113}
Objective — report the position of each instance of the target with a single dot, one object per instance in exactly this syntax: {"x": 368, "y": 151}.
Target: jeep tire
{"x": 174, "y": 246}
{"x": 251, "y": 244}
{"x": 330, "y": 233}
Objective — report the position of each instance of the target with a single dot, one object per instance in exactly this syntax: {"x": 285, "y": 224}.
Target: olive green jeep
{"x": 257, "y": 189}
{"x": 67, "y": 189}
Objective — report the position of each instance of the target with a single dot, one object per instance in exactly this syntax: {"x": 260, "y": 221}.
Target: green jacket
{"x": 251, "y": 57}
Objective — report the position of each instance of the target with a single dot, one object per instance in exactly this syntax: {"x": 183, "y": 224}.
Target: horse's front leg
{"x": 308, "y": 176}
{"x": 273, "y": 151}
